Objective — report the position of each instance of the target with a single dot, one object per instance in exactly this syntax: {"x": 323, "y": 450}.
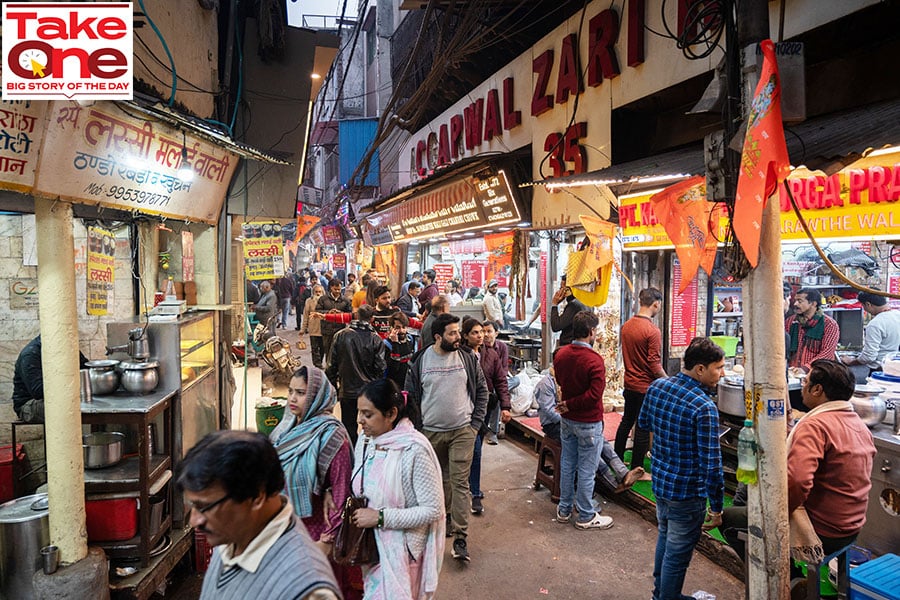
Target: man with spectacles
{"x": 233, "y": 482}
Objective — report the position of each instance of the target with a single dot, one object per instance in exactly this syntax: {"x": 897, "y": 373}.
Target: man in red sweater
{"x": 581, "y": 375}
{"x": 642, "y": 356}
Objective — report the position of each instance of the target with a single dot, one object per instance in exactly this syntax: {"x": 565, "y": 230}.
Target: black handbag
{"x": 354, "y": 545}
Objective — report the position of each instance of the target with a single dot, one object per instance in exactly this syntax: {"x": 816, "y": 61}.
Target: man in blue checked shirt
{"x": 687, "y": 462}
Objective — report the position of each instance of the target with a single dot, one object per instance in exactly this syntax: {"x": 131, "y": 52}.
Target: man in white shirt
{"x": 882, "y": 333}
{"x": 493, "y": 309}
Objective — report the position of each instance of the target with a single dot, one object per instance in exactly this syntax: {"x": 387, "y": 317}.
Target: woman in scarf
{"x": 314, "y": 450}
{"x": 399, "y": 473}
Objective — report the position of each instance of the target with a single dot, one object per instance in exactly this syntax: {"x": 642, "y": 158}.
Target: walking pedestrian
{"x": 448, "y": 387}
{"x": 581, "y": 374}
{"x": 400, "y": 475}
{"x": 642, "y": 357}
{"x": 284, "y": 289}
{"x": 357, "y": 358}
{"x": 686, "y": 463}
{"x": 312, "y": 325}
{"x": 565, "y": 301}
{"x": 331, "y": 302}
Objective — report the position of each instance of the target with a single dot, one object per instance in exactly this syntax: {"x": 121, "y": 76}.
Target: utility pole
{"x": 764, "y": 367}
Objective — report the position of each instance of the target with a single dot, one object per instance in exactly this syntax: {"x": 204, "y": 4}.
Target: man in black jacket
{"x": 449, "y": 387}
{"x": 28, "y": 382}
{"x": 563, "y": 322}
{"x": 332, "y": 302}
{"x": 357, "y": 358}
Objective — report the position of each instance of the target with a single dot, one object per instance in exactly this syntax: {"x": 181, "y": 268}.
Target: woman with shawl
{"x": 399, "y": 473}
{"x": 314, "y": 449}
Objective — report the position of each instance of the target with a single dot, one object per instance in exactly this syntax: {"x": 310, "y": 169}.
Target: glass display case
{"x": 197, "y": 350}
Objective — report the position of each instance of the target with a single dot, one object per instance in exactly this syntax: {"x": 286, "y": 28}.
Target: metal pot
{"x": 24, "y": 530}
{"x": 102, "y": 449}
{"x": 809, "y": 280}
{"x": 139, "y": 377}
{"x": 103, "y": 376}
{"x": 731, "y": 397}
{"x": 868, "y": 404}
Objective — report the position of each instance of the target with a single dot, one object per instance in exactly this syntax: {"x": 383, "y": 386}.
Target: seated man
{"x": 28, "y": 383}
{"x": 612, "y": 473}
{"x": 830, "y": 454}
{"x": 232, "y": 481}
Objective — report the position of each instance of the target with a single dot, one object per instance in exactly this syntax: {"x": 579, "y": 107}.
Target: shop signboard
{"x": 858, "y": 202}
{"x": 23, "y": 293}
{"x": 443, "y": 273}
{"x": 101, "y": 270}
{"x": 104, "y": 155}
{"x": 263, "y": 250}
{"x": 473, "y": 245}
{"x": 22, "y": 129}
{"x": 684, "y": 311}
{"x": 473, "y": 272}
{"x": 894, "y": 288}
{"x": 542, "y": 286}
{"x": 339, "y": 261}
{"x": 464, "y": 205}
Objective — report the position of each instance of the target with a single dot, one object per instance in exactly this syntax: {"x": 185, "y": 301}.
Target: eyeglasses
{"x": 204, "y": 509}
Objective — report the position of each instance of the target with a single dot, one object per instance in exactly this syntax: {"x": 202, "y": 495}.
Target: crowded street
{"x": 450, "y": 299}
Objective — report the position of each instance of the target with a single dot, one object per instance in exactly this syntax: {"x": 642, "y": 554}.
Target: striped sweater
{"x": 293, "y": 569}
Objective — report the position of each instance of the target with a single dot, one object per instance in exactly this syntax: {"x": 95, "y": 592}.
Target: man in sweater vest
{"x": 642, "y": 357}
{"x": 233, "y": 483}
{"x": 581, "y": 374}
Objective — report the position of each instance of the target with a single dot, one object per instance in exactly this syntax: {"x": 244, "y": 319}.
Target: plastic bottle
{"x": 170, "y": 289}
{"x": 746, "y": 451}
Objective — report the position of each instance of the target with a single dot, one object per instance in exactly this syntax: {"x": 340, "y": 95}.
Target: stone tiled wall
{"x": 19, "y": 325}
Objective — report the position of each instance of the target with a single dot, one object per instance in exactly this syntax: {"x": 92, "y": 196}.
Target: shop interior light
{"x": 316, "y": 76}
{"x": 581, "y": 183}
{"x": 469, "y": 234}
{"x": 185, "y": 172}
{"x": 524, "y": 224}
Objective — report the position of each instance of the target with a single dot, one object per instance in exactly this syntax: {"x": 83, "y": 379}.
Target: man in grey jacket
{"x": 450, "y": 389}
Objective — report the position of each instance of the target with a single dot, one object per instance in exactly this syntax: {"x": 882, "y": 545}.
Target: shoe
{"x": 491, "y": 439}
{"x": 598, "y": 522}
{"x": 561, "y": 518}
{"x": 477, "y": 506}
{"x": 447, "y": 532}
{"x": 460, "y": 551}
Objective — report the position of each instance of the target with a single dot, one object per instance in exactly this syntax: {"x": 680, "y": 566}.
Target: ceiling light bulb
{"x": 185, "y": 172}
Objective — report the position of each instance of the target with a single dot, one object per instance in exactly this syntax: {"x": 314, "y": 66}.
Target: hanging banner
{"x": 263, "y": 250}
{"x": 684, "y": 311}
{"x": 305, "y": 223}
{"x": 104, "y": 155}
{"x": 332, "y": 235}
{"x": 101, "y": 269}
{"x": 642, "y": 230}
{"x": 339, "y": 261}
{"x": 499, "y": 247}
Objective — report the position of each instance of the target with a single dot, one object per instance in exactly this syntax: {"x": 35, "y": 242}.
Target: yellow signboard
{"x": 101, "y": 269}
{"x": 641, "y": 229}
{"x": 263, "y": 250}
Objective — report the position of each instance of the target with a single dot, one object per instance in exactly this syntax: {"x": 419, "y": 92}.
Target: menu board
{"x": 443, "y": 274}
{"x": 542, "y": 286}
{"x": 473, "y": 272}
{"x": 263, "y": 250}
{"x": 684, "y": 311}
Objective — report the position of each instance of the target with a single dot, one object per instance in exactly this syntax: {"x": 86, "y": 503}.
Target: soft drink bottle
{"x": 746, "y": 451}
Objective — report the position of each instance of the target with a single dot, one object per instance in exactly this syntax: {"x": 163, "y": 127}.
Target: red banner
{"x": 473, "y": 272}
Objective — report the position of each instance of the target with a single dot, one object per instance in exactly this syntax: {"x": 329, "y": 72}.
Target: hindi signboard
{"x": 263, "y": 250}
{"x": 101, "y": 269}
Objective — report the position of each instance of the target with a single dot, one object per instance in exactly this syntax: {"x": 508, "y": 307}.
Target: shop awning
{"x": 828, "y": 143}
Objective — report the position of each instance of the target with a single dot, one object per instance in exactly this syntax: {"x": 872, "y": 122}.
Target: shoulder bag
{"x": 355, "y": 545}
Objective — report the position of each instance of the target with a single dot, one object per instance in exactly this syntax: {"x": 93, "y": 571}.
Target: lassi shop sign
{"x": 496, "y": 112}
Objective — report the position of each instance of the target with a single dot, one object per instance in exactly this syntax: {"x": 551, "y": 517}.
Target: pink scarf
{"x": 390, "y": 579}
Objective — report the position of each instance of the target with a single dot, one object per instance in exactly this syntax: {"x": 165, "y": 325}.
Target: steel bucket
{"x": 24, "y": 530}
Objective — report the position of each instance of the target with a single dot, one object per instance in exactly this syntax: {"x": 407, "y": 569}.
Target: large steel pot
{"x": 139, "y": 377}
{"x": 102, "y": 449}
{"x": 24, "y": 530}
{"x": 868, "y": 404}
{"x": 731, "y": 397}
{"x": 103, "y": 376}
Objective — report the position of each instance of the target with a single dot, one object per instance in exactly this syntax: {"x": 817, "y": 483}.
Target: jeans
{"x": 633, "y": 402}
{"x": 611, "y": 469}
{"x": 680, "y": 523}
{"x": 454, "y": 452}
{"x": 285, "y": 311}
{"x": 581, "y": 446}
{"x": 348, "y": 418}
{"x": 315, "y": 347}
{"x": 475, "y": 471}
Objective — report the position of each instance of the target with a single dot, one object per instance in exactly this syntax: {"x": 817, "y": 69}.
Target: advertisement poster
{"x": 23, "y": 293}
{"x": 101, "y": 261}
{"x": 473, "y": 272}
{"x": 187, "y": 256}
{"x": 443, "y": 274}
{"x": 542, "y": 286}
{"x": 332, "y": 234}
{"x": 499, "y": 246}
{"x": 684, "y": 311}
{"x": 339, "y": 262}
{"x": 263, "y": 250}
{"x": 894, "y": 288}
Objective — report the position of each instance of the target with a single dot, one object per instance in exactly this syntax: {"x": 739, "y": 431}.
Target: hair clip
{"x": 405, "y": 396}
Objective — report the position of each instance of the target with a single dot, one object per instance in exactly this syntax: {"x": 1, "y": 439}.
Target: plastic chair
{"x": 843, "y": 575}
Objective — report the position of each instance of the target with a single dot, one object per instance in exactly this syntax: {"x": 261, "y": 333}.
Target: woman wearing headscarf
{"x": 399, "y": 473}
{"x": 315, "y": 453}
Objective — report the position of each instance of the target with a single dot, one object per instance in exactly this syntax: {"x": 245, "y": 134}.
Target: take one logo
{"x": 67, "y": 50}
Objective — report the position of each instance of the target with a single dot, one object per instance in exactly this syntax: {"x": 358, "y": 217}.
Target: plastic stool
{"x": 843, "y": 575}
{"x": 548, "y": 467}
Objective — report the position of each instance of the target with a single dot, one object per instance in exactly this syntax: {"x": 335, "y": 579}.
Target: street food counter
{"x": 881, "y": 533}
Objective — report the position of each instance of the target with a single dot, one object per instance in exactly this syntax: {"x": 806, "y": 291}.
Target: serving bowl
{"x": 102, "y": 449}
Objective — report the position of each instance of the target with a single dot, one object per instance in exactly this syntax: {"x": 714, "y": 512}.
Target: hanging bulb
{"x": 185, "y": 172}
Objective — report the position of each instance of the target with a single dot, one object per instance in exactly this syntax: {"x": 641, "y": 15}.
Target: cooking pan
{"x": 731, "y": 398}
{"x": 102, "y": 449}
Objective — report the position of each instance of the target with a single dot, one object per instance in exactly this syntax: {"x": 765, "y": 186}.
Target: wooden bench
{"x": 529, "y": 432}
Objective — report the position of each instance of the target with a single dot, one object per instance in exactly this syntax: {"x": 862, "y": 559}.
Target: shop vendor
{"x": 28, "y": 383}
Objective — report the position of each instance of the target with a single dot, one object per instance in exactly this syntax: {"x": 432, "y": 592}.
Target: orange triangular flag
{"x": 764, "y": 160}
{"x": 685, "y": 214}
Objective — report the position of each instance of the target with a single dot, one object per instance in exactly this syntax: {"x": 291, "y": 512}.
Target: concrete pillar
{"x": 59, "y": 341}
